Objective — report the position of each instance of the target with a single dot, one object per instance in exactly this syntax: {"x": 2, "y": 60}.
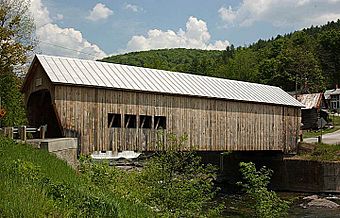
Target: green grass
{"x": 35, "y": 183}
{"x": 312, "y": 134}
{"x": 323, "y": 152}
{"x": 335, "y": 120}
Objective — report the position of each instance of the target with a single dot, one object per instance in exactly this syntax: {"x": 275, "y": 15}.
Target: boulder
{"x": 322, "y": 203}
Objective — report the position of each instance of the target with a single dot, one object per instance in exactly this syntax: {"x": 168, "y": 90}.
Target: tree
{"x": 290, "y": 62}
{"x": 16, "y": 41}
{"x": 16, "y": 33}
{"x": 12, "y": 100}
{"x": 330, "y": 55}
{"x": 266, "y": 202}
{"x": 243, "y": 66}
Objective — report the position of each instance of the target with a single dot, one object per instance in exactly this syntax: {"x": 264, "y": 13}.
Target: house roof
{"x": 313, "y": 100}
{"x": 72, "y": 71}
{"x": 330, "y": 92}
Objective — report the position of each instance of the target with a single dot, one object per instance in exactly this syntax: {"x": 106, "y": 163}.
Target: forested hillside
{"x": 308, "y": 60}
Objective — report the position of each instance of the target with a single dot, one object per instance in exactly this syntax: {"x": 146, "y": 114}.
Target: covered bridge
{"x": 117, "y": 107}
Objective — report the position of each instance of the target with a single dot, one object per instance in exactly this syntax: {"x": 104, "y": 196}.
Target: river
{"x": 238, "y": 206}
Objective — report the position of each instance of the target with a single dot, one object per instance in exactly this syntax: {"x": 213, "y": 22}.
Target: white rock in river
{"x": 322, "y": 203}
{"x": 311, "y": 197}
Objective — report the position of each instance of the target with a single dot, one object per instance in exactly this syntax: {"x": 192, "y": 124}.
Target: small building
{"x": 113, "y": 107}
{"x": 332, "y": 97}
{"x": 312, "y": 111}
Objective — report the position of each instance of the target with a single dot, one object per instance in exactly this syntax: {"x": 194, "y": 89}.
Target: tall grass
{"x": 35, "y": 183}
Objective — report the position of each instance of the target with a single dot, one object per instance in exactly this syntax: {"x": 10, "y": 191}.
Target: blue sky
{"x": 109, "y": 27}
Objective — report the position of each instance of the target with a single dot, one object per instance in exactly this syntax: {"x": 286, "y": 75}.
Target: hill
{"x": 308, "y": 60}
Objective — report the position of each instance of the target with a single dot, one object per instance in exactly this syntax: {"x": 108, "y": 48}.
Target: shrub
{"x": 172, "y": 183}
{"x": 12, "y": 101}
{"x": 178, "y": 183}
{"x": 266, "y": 203}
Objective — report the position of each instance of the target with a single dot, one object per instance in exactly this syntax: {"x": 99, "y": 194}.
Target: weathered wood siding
{"x": 38, "y": 81}
{"x": 211, "y": 124}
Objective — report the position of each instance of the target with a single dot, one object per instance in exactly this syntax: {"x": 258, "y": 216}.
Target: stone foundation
{"x": 307, "y": 176}
{"x": 63, "y": 148}
{"x": 290, "y": 174}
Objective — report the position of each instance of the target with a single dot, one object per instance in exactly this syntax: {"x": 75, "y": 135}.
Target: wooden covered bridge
{"x": 117, "y": 107}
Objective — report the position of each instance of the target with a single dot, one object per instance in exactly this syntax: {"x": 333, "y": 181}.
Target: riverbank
{"x": 52, "y": 188}
{"x": 239, "y": 205}
{"x": 35, "y": 183}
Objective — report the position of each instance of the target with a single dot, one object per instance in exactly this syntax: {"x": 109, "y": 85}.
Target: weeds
{"x": 173, "y": 182}
{"x": 266, "y": 203}
{"x": 52, "y": 188}
{"x": 36, "y": 184}
{"x": 322, "y": 152}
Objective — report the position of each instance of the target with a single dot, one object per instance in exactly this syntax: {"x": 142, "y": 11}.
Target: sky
{"x": 96, "y": 29}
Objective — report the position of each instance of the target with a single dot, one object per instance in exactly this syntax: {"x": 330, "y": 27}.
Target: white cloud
{"x": 59, "y": 17}
{"x": 196, "y": 35}
{"x": 296, "y": 13}
{"x": 55, "y": 40}
{"x": 40, "y": 13}
{"x": 66, "y": 42}
{"x": 227, "y": 14}
{"x": 99, "y": 12}
{"x": 133, "y": 8}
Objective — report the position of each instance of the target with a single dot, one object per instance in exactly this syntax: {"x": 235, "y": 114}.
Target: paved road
{"x": 330, "y": 138}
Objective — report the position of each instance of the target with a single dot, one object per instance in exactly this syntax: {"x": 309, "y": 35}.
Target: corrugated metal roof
{"x": 101, "y": 74}
{"x": 313, "y": 100}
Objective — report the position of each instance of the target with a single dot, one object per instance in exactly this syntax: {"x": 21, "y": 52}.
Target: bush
{"x": 12, "y": 101}
{"x": 178, "y": 183}
{"x": 172, "y": 183}
{"x": 266, "y": 203}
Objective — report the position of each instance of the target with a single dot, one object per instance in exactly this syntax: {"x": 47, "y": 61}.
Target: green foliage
{"x": 172, "y": 183}
{"x": 266, "y": 203}
{"x": 16, "y": 33}
{"x": 320, "y": 152}
{"x": 329, "y": 47}
{"x": 307, "y": 60}
{"x": 35, "y": 183}
{"x": 243, "y": 66}
{"x": 11, "y": 101}
{"x": 326, "y": 152}
{"x": 120, "y": 184}
{"x": 178, "y": 183}
{"x": 17, "y": 41}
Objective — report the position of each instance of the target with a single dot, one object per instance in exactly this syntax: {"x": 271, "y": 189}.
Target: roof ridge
{"x": 167, "y": 71}
{"x": 93, "y": 73}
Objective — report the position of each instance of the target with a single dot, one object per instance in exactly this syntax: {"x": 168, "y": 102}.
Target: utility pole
{"x": 296, "y": 86}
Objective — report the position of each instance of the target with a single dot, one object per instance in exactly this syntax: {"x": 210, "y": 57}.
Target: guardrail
{"x": 21, "y": 132}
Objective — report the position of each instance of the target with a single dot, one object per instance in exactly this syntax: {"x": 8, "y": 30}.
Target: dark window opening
{"x": 130, "y": 121}
{"x": 114, "y": 120}
{"x": 160, "y": 122}
{"x": 145, "y": 122}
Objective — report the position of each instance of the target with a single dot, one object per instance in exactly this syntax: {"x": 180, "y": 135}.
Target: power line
{"x": 70, "y": 49}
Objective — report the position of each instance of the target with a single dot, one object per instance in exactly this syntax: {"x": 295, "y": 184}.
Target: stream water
{"x": 297, "y": 210}
{"x": 239, "y": 206}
